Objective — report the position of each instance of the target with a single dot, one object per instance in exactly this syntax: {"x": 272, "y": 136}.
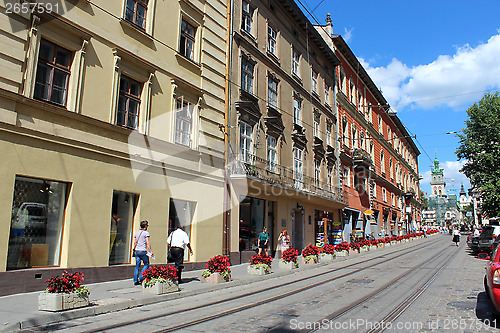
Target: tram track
{"x": 397, "y": 254}
{"x": 396, "y": 311}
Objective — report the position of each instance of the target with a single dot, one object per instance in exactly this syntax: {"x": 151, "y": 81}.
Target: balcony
{"x": 410, "y": 193}
{"x": 361, "y": 159}
{"x": 274, "y": 174}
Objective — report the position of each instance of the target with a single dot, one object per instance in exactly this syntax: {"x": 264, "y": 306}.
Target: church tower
{"x": 438, "y": 186}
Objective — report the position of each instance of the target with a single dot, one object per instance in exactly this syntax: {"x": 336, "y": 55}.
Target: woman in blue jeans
{"x": 141, "y": 247}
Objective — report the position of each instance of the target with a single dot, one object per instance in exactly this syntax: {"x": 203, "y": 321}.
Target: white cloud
{"x": 462, "y": 78}
{"x": 347, "y": 34}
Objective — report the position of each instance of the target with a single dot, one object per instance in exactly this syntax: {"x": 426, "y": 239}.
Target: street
{"x": 426, "y": 285}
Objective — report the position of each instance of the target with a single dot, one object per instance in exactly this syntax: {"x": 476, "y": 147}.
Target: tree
{"x": 480, "y": 147}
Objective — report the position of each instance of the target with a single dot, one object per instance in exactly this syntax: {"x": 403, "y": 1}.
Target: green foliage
{"x": 480, "y": 147}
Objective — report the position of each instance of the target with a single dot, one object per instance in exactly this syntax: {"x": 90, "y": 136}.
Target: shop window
{"x": 251, "y": 222}
{"x": 181, "y": 214}
{"x": 123, "y": 210}
{"x": 36, "y": 223}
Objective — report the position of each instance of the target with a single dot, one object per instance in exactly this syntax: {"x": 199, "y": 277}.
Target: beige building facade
{"x": 283, "y": 124}
{"x": 109, "y": 115}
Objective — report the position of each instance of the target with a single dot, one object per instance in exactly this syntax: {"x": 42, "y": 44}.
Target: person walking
{"x": 142, "y": 248}
{"x": 177, "y": 242}
{"x": 456, "y": 236}
{"x": 263, "y": 241}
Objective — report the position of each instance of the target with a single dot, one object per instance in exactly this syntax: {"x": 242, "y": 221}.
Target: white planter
{"x": 213, "y": 278}
{"x": 287, "y": 265}
{"x": 160, "y": 288}
{"x": 309, "y": 262}
{"x": 381, "y": 245}
{"x": 256, "y": 270}
{"x": 343, "y": 253}
{"x": 373, "y": 247}
{"x": 60, "y": 302}
{"x": 364, "y": 249}
{"x": 393, "y": 242}
{"x": 326, "y": 257}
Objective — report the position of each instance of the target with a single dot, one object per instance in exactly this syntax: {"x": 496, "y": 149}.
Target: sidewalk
{"x": 20, "y": 311}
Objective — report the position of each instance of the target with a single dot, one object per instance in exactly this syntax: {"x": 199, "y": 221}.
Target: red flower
{"x": 261, "y": 259}
{"x": 218, "y": 264}
{"x": 290, "y": 255}
{"x": 328, "y": 249}
{"x": 310, "y": 250}
{"x": 67, "y": 282}
{"x": 168, "y": 272}
{"x": 344, "y": 246}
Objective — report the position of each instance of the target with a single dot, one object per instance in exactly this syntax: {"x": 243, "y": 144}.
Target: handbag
{"x": 170, "y": 257}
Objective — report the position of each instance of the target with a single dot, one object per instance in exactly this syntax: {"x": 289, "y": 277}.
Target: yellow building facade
{"x": 110, "y": 114}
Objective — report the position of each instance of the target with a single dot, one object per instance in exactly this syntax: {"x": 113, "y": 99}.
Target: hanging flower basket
{"x": 64, "y": 292}
{"x": 217, "y": 270}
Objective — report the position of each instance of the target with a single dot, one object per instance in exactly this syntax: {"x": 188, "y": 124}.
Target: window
{"x": 271, "y": 153}
{"x": 330, "y": 177}
{"x": 342, "y": 81}
{"x": 317, "y": 172}
{"x": 329, "y": 133}
{"x": 372, "y": 152}
{"x": 347, "y": 177}
{"x": 314, "y": 82}
{"x": 362, "y": 141}
{"x": 327, "y": 94}
{"x": 246, "y": 142}
{"x": 297, "y": 111}
{"x": 380, "y": 129}
{"x": 129, "y": 102}
{"x": 272, "y": 92}
{"x": 382, "y": 162}
{"x": 393, "y": 199}
{"x": 135, "y": 12}
{"x": 247, "y": 17}
{"x": 352, "y": 93}
{"x": 183, "y": 121}
{"x": 246, "y": 75}
{"x": 391, "y": 171}
{"x": 354, "y": 137}
{"x": 187, "y": 40}
{"x": 345, "y": 131}
{"x": 389, "y": 134}
{"x": 53, "y": 72}
{"x": 384, "y": 194}
{"x": 298, "y": 155}
{"x": 295, "y": 63}
{"x": 122, "y": 219}
{"x": 36, "y": 225}
{"x": 316, "y": 124}
{"x": 271, "y": 40}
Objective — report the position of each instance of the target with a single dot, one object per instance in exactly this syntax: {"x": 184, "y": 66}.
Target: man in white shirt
{"x": 177, "y": 242}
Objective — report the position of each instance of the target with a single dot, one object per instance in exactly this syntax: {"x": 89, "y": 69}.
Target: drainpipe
{"x": 226, "y": 219}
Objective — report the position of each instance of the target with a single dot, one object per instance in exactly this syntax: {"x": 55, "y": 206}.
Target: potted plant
{"x": 364, "y": 245}
{"x": 260, "y": 264}
{"x": 327, "y": 253}
{"x": 64, "y": 292}
{"x": 310, "y": 254}
{"x": 160, "y": 279}
{"x": 342, "y": 249}
{"x": 217, "y": 270}
{"x": 373, "y": 244}
{"x": 289, "y": 259}
{"x": 354, "y": 247}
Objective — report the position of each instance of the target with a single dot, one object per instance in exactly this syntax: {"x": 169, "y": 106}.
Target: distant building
{"x": 442, "y": 209}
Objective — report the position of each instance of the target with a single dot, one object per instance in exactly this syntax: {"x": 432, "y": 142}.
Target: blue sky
{"x": 431, "y": 59}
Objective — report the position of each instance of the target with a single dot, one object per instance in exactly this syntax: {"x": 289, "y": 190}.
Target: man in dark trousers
{"x": 177, "y": 242}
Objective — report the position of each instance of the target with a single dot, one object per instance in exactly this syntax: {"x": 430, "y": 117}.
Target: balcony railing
{"x": 272, "y": 173}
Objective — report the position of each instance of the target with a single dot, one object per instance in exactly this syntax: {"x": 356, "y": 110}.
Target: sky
{"x": 431, "y": 59}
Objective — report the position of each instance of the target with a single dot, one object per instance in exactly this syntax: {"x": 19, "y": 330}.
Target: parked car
{"x": 492, "y": 280}
{"x": 30, "y": 220}
{"x": 487, "y": 237}
{"x": 474, "y": 243}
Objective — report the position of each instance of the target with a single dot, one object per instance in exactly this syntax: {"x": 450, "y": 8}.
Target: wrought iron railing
{"x": 273, "y": 173}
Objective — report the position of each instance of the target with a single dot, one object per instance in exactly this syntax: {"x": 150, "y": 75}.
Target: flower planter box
{"x": 213, "y": 278}
{"x": 60, "y": 302}
{"x": 256, "y": 270}
{"x": 287, "y": 265}
{"x": 309, "y": 262}
{"x": 373, "y": 247}
{"x": 326, "y": 257}
{"x": 393, "y": 242}
{"x": 353, "y": 252}
{"x": 343, "y": 253}
{"x": 161, "y": 288}
{"x": 364, "y": 249}
{"x": 382, "y": 245}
